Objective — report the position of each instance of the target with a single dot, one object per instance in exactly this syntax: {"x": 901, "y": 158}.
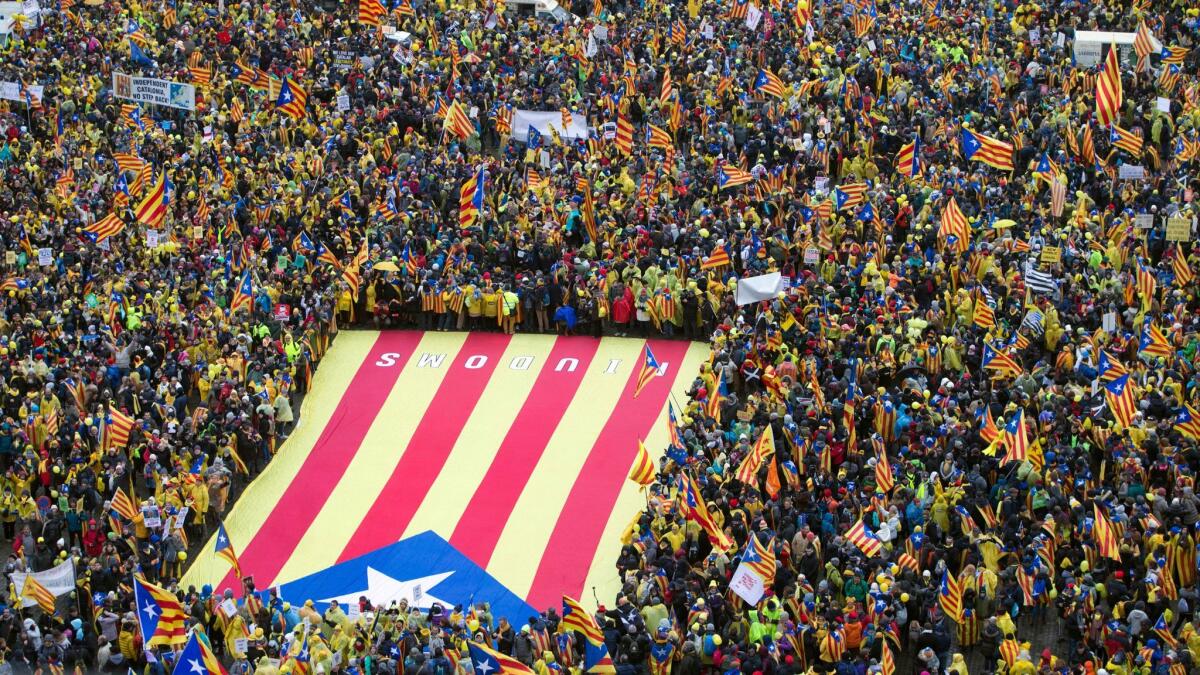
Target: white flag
{"x": 753, "y": 16}
{"x": 762, "y": 287}
{"x": 747, "y": 584}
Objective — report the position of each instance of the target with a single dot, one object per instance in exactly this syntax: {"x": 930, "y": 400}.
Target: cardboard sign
{"x": 1143, "y": 221}
{"x": 229, "y": 608}
{"x": 1051, "y": 255}
{"x": 197, "y": 232}
{"x": 1179, "y": 229}
{"x": 45, "y": 257}
{"x": 1162, "y": 104}
{"x": 281, "y": 312}
{"x": 10, "y": 257}
{"x": 343, "y": 59}
{"x": 343, "y": 102}
{"x": 1131, "y": 172}
{"x": 240, "y": 645}
{"x": 812, "y": 255}
{"x": 152, "y": 238}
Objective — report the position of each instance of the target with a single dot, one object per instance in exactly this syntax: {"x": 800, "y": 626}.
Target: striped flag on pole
{"x": 1108, "y": 89}
{"x": 1039, "y": 281}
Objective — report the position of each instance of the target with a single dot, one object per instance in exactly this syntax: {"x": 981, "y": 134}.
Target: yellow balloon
{"x": 183, "y": 555}
{"x": 802, "y": 5}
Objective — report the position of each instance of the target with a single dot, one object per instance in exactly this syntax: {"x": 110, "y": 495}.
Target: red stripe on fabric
{"x": 572, "y": 546}
{"x": 493, "y": 502}
{"x": 429, "y": 446}
{"x": 304, "y": 498}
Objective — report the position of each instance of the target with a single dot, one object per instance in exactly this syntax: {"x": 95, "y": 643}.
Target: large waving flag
{"x": 1125, "y": 140}
{"x": 950, "y": 596}
{"x": 1181, "y": 269}
{"x": 470, "y": 200}
{"x": 117, "y": 427}
{"x": 596, "y": 659}
{"x": 224, "y": 549}
{"x": 153, "y": 209}
{"x": 718, "y": 258}
{"x": 1001, "y": 362}
{"x": 370, "y": 12}
{"x": 764, "y": 449}
{"x": 243, "y": 295}
{"x": 731, "y": 176}
{"x": 643, "y": 470}
{"x": 769, "y": 83}
{"x": 697, "y": 510}
{"x": 138, "y": 56}
{"x": 991, "y": 151}
{"x": 457, "y": 123}
{"x": 1016, "y": 438}
{"x": 1108, "y": 89}
{"x": 123, "y": 505}
{"x": 1119, "y": 396}
{"x": 108, "y": 226}
{"x": 160, "y": 616}
{"x": 624, "y": 139}
{"x": 576, "y": 618}
{"x": 488, "y": 661}
{"x": 908, "y": 160}
{"x": 1153, "y": 342}
{"x": 1144, "y": 45}
{"x": 1046, "y": 169}
{"x": 292, "y": 100}
{"x": 1104, "y": 535}
{"x": 955, "y": 229}
{"x": 850, "y": 195}
{"x": 1187, "y": 422}
{"x": 648, "y": 371}
{"x": 198, "y": 659}
{"x": 1109, "y": 367}
{"x": 866, "y": 540}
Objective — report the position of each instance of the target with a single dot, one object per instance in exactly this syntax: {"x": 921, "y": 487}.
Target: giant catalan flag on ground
{"x": 509, "y": 452}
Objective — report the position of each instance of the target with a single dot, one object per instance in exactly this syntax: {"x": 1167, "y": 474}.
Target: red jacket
{"x": 622, "y": 307}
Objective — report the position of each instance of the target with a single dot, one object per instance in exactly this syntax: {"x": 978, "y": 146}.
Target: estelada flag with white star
{"x": 160, "y": 616}
{"x": 488, "y": 661}
{"x": 198, "y": 658}
{"x": 514, "y": 450}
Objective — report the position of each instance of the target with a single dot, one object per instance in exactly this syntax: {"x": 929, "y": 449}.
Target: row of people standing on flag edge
{"x": 870, "y": 98}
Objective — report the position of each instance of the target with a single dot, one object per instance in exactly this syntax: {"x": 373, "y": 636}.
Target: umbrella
{"x": 1003, "y": 223}
{"x": 386, "y": 266}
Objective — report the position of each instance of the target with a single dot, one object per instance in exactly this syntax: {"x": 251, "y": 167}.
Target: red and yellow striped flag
{"x": 1108, "y": 89}
{"x": 34, "y": 590}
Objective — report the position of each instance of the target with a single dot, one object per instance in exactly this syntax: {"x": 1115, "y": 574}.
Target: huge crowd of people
{"x": 980, "y": 381}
